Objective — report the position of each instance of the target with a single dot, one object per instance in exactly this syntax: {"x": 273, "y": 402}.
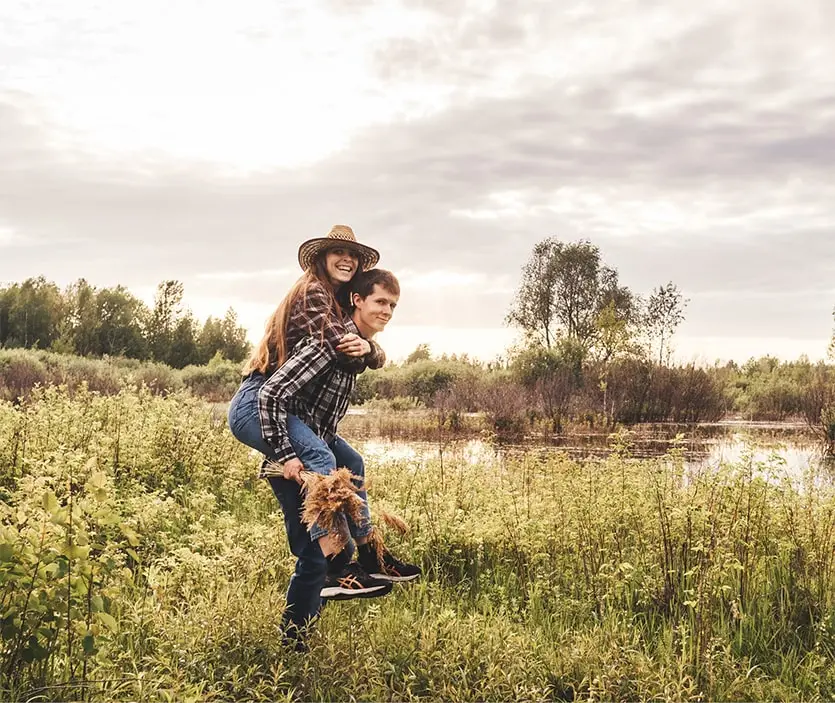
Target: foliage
{"x": 421, "y": 379}
{"x": 567, "y": 291}
{"x": 420, "y": 353}
{"x": 663, "y": 313}
{"x": 22, "y": 371}
{"x": 88, "y": 321}
{"x": 30, "y": 313}
{"x": 140, "y": 560}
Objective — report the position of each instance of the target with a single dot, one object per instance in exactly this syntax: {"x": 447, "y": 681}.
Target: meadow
{"x": 140, "y": 559}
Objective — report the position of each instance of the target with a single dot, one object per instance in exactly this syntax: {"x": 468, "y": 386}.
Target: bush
{"x": 20, "y": 371}
{"x": 217, "y": 381}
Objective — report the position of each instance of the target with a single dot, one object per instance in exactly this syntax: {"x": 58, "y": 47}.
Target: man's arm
{"x": 376, "y": 358}
{"x": 309, "y": 359}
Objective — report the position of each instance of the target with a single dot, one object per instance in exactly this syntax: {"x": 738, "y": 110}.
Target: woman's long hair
{"x": 272, "y": 349}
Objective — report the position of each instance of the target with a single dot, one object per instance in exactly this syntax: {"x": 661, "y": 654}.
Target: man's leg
{"x": 303, "y": 601}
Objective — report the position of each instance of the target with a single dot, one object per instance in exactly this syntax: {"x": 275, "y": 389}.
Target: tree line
{"x": 86, "y": 320}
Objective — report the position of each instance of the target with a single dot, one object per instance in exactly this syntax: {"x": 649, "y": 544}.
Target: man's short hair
{"x": 363, "y": 284}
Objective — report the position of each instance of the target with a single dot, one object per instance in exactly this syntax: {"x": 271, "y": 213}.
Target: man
{"x": 300, "y": 406}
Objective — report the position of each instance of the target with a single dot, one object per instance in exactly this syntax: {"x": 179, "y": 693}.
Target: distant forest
{"x": 89, "y": 321}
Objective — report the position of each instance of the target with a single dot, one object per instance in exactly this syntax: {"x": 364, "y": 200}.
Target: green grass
{"x": 141, "y": 560}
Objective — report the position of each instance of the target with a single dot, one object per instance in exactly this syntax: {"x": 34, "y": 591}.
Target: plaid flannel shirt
{"x": 315, "y": 382}
{"x": 310, "y": 385}
{"x": 312, "y": 316}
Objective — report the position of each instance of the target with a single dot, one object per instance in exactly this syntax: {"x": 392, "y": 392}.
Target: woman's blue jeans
{"x": 303, "y": 601}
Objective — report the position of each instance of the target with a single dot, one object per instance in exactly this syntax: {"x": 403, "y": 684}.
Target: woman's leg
{"x": 317, "y": 456}
{"x": 244, "y": 421}
{"x": 345, "y": 455}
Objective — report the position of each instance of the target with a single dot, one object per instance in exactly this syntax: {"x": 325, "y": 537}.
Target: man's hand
{"x": 293, "y": 469}
{"x": 353, "y": 345}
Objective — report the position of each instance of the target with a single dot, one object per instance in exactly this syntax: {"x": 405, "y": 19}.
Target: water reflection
{"x": 791, "y": 453}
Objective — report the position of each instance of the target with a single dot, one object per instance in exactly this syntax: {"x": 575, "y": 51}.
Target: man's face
{"x": 376, "y": 310}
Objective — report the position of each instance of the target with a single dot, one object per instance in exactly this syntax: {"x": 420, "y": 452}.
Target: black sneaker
{"x": 353, "y": 582}
{"x": 392, "y": 569}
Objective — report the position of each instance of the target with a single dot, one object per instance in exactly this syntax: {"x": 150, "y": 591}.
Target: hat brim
{"x": 308, "y": 251}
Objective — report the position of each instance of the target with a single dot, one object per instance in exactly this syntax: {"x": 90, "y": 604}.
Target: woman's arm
{"x": 313, "y": 316}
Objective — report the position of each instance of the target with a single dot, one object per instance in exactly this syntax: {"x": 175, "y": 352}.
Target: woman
{"x": 318, "y": 305}
{"x": 314, "y": 308}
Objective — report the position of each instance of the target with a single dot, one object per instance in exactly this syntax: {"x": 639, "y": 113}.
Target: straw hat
{"x": 339, "y": 236}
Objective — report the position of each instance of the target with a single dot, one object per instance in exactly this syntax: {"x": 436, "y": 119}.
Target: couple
{"x": 296, "y": 389}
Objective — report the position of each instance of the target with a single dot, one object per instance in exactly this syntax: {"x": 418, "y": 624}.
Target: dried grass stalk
{"x": 375, "y": 541}
{"x": 376, "y": 537}
{"x": 395, "y": 522}
{"x": 328, "y": 500}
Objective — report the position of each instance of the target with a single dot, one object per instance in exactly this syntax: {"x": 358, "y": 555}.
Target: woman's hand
{"x": 293, "y": 469}
{"x": 353, "y": 345}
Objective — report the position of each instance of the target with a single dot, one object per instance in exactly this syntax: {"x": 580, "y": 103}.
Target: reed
{"x": 141, "y": 560}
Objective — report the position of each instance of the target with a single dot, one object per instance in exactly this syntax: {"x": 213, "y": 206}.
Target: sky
{"x": 205, "y": 140}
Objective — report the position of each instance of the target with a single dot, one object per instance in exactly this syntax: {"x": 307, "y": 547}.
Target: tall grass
{"x": 140, "y": 560}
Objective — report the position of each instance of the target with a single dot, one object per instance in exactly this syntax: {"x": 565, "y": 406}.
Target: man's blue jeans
{"x": 303, "y": 601}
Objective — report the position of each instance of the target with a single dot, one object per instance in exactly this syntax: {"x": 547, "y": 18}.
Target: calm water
{"x": 785, "y": 449}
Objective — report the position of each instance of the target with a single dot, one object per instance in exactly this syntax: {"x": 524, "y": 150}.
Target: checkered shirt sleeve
{"x": 312, "y": 316}
{"x": 275, "y": 397}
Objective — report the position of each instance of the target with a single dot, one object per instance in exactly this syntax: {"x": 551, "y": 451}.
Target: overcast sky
{"x": 204, "y": 141}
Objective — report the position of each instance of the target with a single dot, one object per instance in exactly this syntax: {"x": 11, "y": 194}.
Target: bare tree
{"x": 533, "y": 308}
{"x": 664, "y": 313}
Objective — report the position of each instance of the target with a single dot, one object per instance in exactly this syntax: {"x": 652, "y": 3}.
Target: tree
{"x": 122, "y": 318}
{"x": 224, "y": 336}
{"x": 832, "y": 342}
{"x": 533, "y": 308}
{"x": 420, "y": 353}
{"x": 164, "y": 317}
{"x": 210, "y": 340}
{"x": 80, "y": 323}
{"x": 664, "y": 313}
{"x": 182, "y": 349}
{"x": 31, "y": 313}
{"x": 615, "y": 332}
{"x": 7, "y": 295}
{"x": 566, "y": 291}
{"x": 235, "y": 345}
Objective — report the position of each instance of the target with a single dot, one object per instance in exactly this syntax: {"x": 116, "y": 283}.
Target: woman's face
{"x": 340, "y": 265}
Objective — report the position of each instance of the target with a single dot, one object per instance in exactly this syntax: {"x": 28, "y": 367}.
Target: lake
{"x": 788, "y": 448}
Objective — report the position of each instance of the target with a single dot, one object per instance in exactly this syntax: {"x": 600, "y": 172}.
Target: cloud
{"x": 243, "y": 275}
{"x": 690, "y": 142}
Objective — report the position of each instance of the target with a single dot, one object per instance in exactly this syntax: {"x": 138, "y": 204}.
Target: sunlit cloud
{"x": 691, "y": 142}
{"x": 243, "y": 275}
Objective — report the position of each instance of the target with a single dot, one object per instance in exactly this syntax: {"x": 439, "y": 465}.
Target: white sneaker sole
{"x": 397, "y": 579}
{"x": 340, "y": 593}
